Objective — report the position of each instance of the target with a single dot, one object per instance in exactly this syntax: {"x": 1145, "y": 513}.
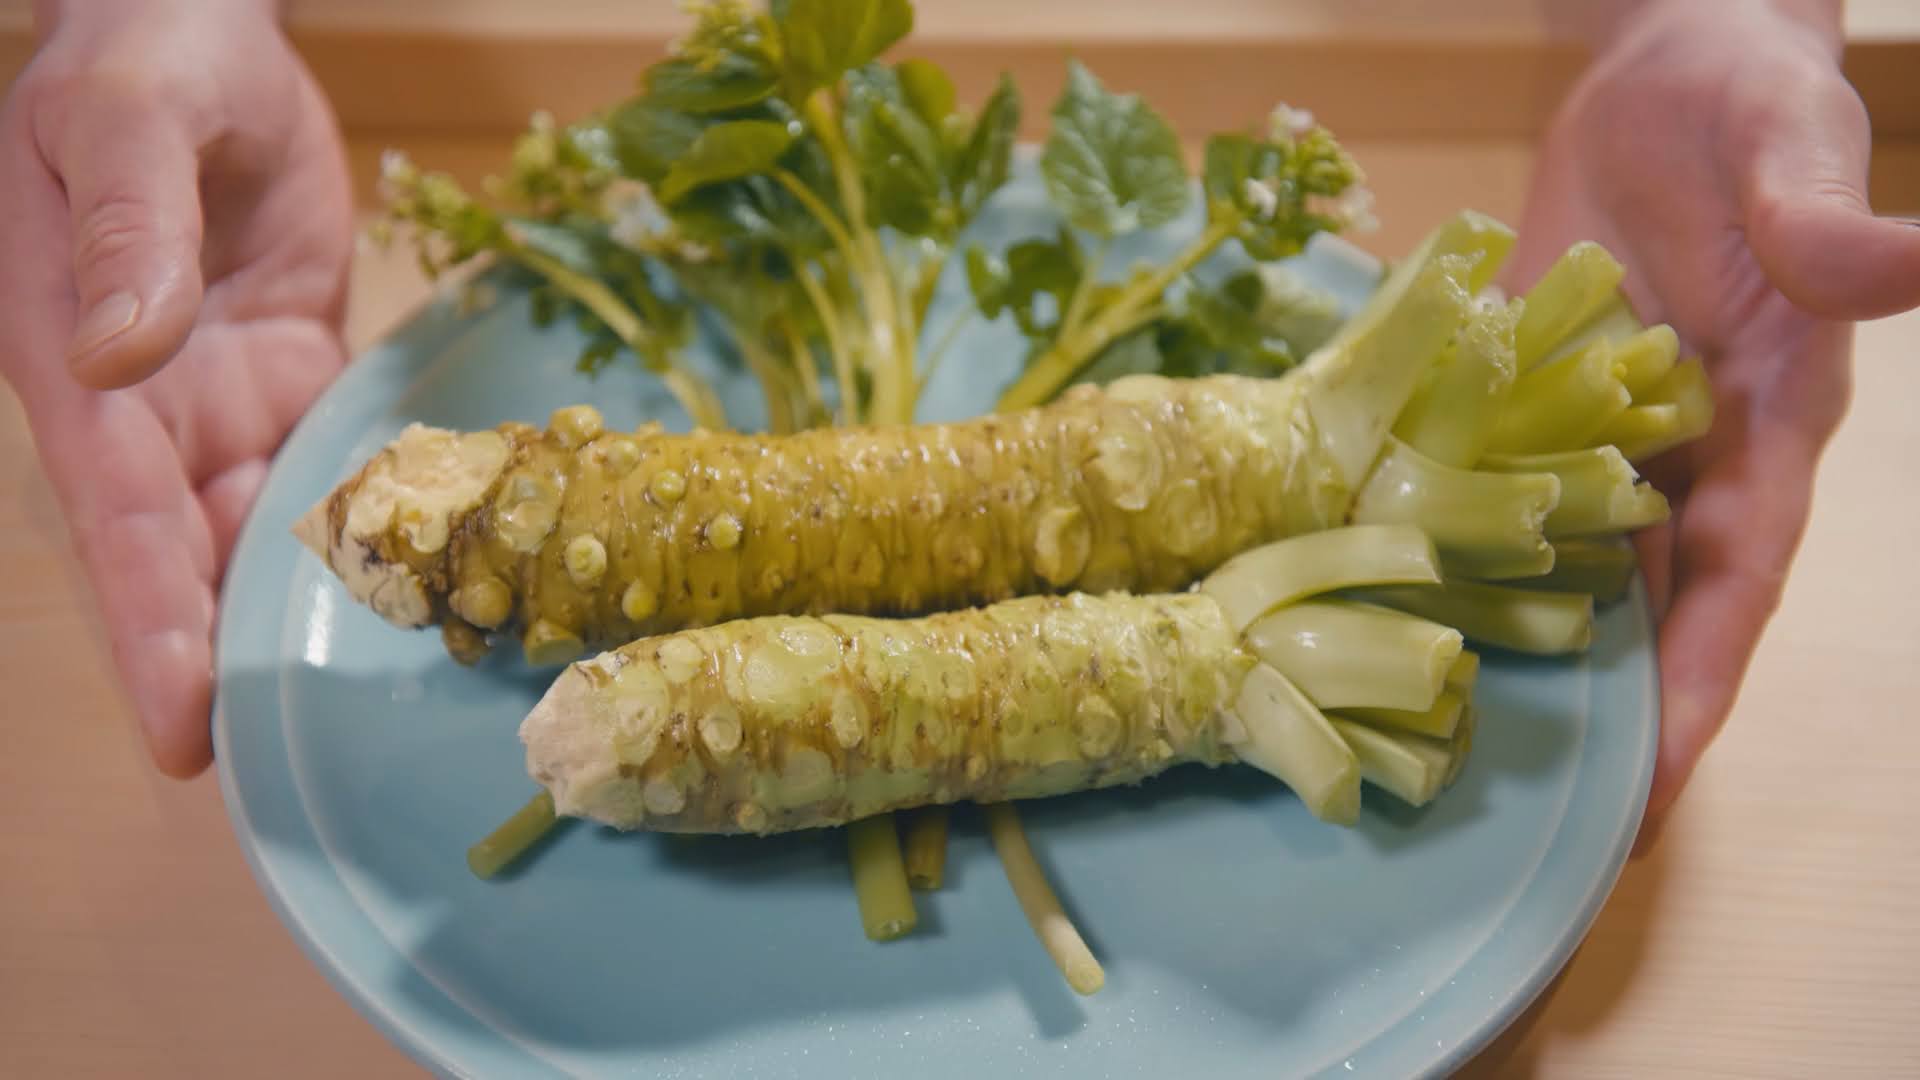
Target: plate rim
{"x": 441, "y": 316}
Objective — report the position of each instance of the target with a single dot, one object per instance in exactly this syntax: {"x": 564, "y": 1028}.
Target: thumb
{"x": 1809, "y": 223}
{"x": 132, "y": 179}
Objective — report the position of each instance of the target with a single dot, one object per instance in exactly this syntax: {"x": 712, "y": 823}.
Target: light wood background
{"x": 1772, "y": 933}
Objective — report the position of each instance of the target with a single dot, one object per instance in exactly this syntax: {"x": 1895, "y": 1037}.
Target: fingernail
{"x": 105, "y": 321}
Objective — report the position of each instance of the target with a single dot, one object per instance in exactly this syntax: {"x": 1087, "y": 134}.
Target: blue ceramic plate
{"x": 1240, "y": 937}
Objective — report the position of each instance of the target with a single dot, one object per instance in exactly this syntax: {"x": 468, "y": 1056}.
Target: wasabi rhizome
{"x": 1212, "y": 522}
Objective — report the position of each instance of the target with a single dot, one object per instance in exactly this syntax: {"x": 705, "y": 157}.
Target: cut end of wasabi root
{"x": 570, "y": 753}
{"x": 415, "y": 489}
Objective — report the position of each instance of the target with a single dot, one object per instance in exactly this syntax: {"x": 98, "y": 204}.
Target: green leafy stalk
{"x": 1565, "y": 406}
{"x": 780, "y": 389}
{"x": 1451, "y": 419}
{"x": 1679, "y": 409}
{"x": 1363, "y": 381}
{"x": 880, "y": 878}
{"x": 455, "y": 229}
{"x": 1057, "y": 934}
{"x": 1535, "y": 621}
{"x": 1601, "y": 568}
{"x": 1580, "y": 285}
{"x": 1341, "y": 654}
{"x": 1113, "y": 166}
{"x": 1131, "y": 309}
{"x": 1476, "y": 243}
{"x": 801, "y": 357}
{"x": 837, "y": 345}
{"x": 926, "y": 845}
{"x": 1646, "y": 357}
{"x": 1464, "y": 673}
{"x": 1485, "y": 524}
{"x": 1600, "y": 493}
{"x": 695, "y": 395}
{"x": 1438, "y": 719}
{"x": 1257, "y": 581}
{"x": 1412, "y": 768}
{"x": 1291, "y": 740}
{"x": 1616, "y": 322}
{"x": 889, "y": 345}
{"x": 514, "y": 838}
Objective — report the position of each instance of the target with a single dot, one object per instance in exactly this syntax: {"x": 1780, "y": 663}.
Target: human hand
{"x": 1717, "y": 150}
{"x": 177, "y": 219}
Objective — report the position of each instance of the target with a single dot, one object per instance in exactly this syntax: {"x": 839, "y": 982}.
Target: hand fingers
{"x": 1803, "y": 192}
{"x": 227, "y": 498}
{"x": 131, "y": 174}
{"x": 149, "y": 554}
{"x": 1735, "y": 538}
{"x": 246, "y": 386}
{"x": 1654, "y": 549}
{"x": 139, "y": 532}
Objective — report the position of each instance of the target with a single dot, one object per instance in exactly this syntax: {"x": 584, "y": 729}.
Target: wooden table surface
{"x": 1773, "y": 932}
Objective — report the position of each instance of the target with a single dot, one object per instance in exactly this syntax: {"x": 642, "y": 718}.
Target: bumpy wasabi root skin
{"x": 574, "y": 539}
{"x": 793, "y": 722}
{"x": 406, "y": 501}
{"x": 780, "y": 723}
{"x": 1369, "y": 465}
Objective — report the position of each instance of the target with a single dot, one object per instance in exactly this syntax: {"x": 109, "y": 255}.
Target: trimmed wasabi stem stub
{"x": 637, "y": 602}
{"x": 464, "y": 642}
{"x": 437, "y": 477}
{"x": 485, "y": 602}
{"x": 821, "y": 721}
{"x": 586, "y": 560}
{"x": 549, "y": 644}
{"x": 576, "y": 425}
{"x": 668, "y": 485}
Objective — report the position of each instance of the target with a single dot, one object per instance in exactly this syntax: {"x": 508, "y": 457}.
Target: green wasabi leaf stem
{"x": 694, "y": 394}
{"x": 513, "y": 837}
{"x": 1534, "y": 621}
{"x": 1343, "y": 655}
{"x": 1487, "y": 524}
{"x": 1134, "y": 307}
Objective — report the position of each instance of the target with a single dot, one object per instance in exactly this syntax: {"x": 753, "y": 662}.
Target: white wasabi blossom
{"x": 397, "y": 173}
{"x": 636, "y": 217}
{"x": 538, "y": 149}
{"x": 1351, "y": 210}
{"x": 1263, "y": 197}
{"x": 1354, "y": 208}
{"x": 1287, "y": 122}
